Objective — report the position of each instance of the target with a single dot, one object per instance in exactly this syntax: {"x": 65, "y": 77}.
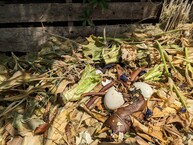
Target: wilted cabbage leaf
{"x": 87, "y": 82}
{"x": 112, "y": 54}
{"x": 93, "y": 49}
{"x": 97, "y": 51}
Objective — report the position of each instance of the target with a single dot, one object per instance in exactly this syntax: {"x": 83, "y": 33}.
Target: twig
{"x": 97, "y": 116}
{"x": 171, "y": 31}
{"x": 63, "y": 38}
{"x": 106, "y": 87}
{"x": 93, "y": 94}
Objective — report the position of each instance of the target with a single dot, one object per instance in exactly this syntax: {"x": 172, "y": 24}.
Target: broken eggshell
{"x": 146, "y": 89}
{"x": 113, "y": 99}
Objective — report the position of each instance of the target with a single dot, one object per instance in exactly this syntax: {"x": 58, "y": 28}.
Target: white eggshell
{"x": 113, "y": 99}
{"x": 99, "y": 71}
{"x": 146, "y": 89}
{"x": 104, "y": 83}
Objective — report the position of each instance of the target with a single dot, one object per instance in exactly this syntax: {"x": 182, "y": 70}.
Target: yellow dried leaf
{"x": 32, "y": 140}
{"x": 57, "y": 130}
{"x": 163, "y": 112}
{"x": 154, "y": 131}
{"x": 60, "y": 87}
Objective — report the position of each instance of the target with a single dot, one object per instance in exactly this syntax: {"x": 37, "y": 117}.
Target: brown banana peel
{"x": 120, "y": 121}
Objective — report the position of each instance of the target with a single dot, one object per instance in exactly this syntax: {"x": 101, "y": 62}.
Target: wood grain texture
{"x": 28, "y": 39}
{"x": 56, "y": 12}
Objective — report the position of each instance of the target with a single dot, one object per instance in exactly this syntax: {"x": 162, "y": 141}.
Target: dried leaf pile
{"x": 60, "y": 95}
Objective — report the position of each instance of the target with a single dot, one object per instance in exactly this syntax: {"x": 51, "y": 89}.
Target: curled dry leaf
{"x": 41, "y": 128}
{"x": 151, "y": 130}
{"x": 44, "y": 127}
{"x": 120, "y": 121}
{"x": 141, "y": 141}
{"x": 96, "y": 115}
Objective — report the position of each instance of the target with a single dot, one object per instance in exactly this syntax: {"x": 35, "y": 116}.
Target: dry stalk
{"x": 174, "y": 12}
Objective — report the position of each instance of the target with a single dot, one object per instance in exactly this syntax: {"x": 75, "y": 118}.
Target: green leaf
{"x": 154, "y": 74}
{"x": 87, "y": 82}
{"x": 112, "y": 54}
{"x": 93, "y": 50}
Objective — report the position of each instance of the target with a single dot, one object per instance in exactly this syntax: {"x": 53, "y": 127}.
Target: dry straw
{"x": 174, "y": 12}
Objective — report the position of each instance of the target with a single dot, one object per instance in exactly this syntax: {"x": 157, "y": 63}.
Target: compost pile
{"x": 133, "y": 90}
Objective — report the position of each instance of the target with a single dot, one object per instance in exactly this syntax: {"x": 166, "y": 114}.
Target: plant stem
{"x": 179, "y": 96}
{"x": 167, "y": 57}
{"x": 65, "y": 38}
{"x": 186, "y": 54}
{"x": 163, "y": 58}
{"x": 171, "y": 31}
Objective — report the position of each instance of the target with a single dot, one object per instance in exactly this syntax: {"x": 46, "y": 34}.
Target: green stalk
{"x": 174, "y": 87}
{"x": 167, "y": 57}
{"x": 154, "y": 73}
{"x": 179, "y": 96}
{"x": 163, "y": 58}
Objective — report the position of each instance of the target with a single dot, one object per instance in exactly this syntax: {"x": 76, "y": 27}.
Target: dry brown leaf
{"x": 141, "y": 141}
{"x": 154, "y": 131}
{"x": 56, "y": 132}
{"x": 17, "y": 140}
{"x": 172, "y": 130}
{"x": 145, "y": 136}
{"x": 176, "y": 119}
{"x": 60, "y": 87}
{"x": 188, "y": 78}
{"x": 41, "y": 128}
{"x": 70, "y": 133}
{"x": 163, "y": 111}
{"x": 131, "y": 141}
{"x": 96, "y": 115}
{"x": 32, "y": 140}
{"x": 9, "y": 128}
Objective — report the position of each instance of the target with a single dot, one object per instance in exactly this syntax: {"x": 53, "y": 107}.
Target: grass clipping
{"x": 174, "y": 12}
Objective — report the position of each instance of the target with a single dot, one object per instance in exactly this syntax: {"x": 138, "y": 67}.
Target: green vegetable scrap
{"x": 154, "y": 73}
{"x": 97, "y": 51}
{"x": 93, "y": 50}
{"x": 87, "y": 82}
{"x": 111, "y": 55}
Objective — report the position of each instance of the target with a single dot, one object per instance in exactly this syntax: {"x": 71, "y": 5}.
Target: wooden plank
{"x": 28, "y": 39}
{"x": 70, "y": 23}
{"x": 50, "y": 12}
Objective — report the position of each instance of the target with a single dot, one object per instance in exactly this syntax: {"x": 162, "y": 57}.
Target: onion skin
{"x": 120, "y": 121}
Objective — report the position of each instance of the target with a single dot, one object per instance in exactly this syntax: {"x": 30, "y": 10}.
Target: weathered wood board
{"x": 50, "y": 12}
{"x": 25, "y": 39}
{"x": 28, "y": 39}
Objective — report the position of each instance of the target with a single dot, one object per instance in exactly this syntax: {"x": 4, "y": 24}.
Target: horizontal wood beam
{"x": 57, "y": 12}
{"x": 28, "y": 39}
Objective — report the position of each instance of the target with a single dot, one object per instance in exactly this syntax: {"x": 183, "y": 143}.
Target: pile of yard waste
{"x": 135, "y": 90}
